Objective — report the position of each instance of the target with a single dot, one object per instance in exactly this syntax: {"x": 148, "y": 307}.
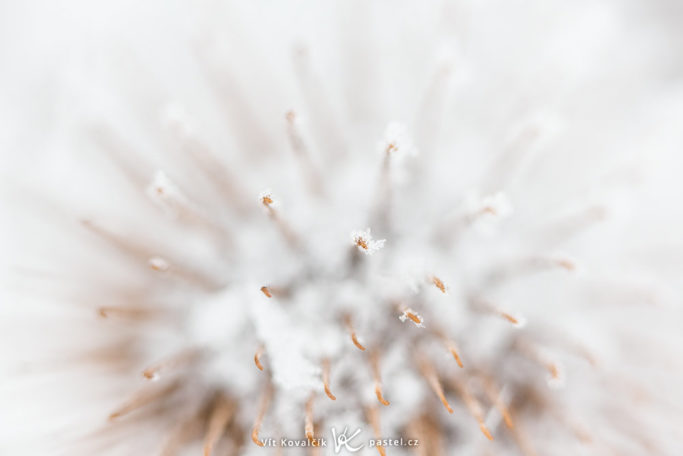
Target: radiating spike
{"x": 183, "y": 432}
{"x": 565, "y": 228}
{"x": 438, "y": 283}
{"x": 302, "y": 153}
{"x": 414, "y": 317}
{"x": 495, "y": 397}
{"x": 265, "y": 402}
{"x": 426, "y": 429}
{"x": 449, "y": 343}
{"x": 432, "y": 378}
{"x": 352, "y": 332}
{"x": 130, "y": 313}
{"x": 509, "y": 160}
{"x": 373, "y": 419}
{"x": 308, "y": 422}
{"x": 165, "y": 194}
{"x": 219, "y": 419}
{"x": 181, "y": 358}
{"x": 266, "y": 291}
{"x": 323, "y": 117}
{"x": 326, "y": 379}
{"x": 250, "y": 133}
{"x": 141, "y": 254}
{"x": 374, "y": 363}
{"x": 472, "y": 405}
{"x": 431, "y": 109}
{"x": 525, "y": 266}
{"x": 120, "y": 153}
{"x": 257, "y": 357}
{"x": 268, "y": 202}
{"x": 533, "y": 353}
{"x": 485, "y": 306}
{"x": 508, "y": 317}
{"x": 579, "y": 431}
{"x": 217, "y": 174}
{"x": 144, "y": 397}
{"x": 454, "y": 352}
{"x": 381, "y": 217}
{"x": 522, "y": 439}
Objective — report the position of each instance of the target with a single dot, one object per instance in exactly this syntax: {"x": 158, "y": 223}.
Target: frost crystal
{"x": 363, "y": 240}
{"x": 266, "y": 198}
{"x": 410, "y": 314}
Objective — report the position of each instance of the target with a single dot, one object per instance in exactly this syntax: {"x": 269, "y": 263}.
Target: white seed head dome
{"x": 350, "y": 227}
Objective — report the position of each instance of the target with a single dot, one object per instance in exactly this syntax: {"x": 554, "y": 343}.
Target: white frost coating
{"x": 214, "y": 324}
{"x": 363, "y": 240}
{"x": 285, "y": 344}
{"x": 327, "y": 335}
{"x": 328, "y": 341}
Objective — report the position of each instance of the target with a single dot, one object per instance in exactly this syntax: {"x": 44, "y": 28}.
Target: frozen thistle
{"x": 364, "y": 241}
{"x": 236, "y": 321}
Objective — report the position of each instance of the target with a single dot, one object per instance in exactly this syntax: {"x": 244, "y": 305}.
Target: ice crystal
{"x": 364, "y": 241}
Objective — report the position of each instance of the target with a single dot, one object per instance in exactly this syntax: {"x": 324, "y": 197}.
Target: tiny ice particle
{"x": 364, "y": 241}
{"x": 266, "y": 198}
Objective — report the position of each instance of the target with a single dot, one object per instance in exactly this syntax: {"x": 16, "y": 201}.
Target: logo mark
{"x": 344, "y": 441}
